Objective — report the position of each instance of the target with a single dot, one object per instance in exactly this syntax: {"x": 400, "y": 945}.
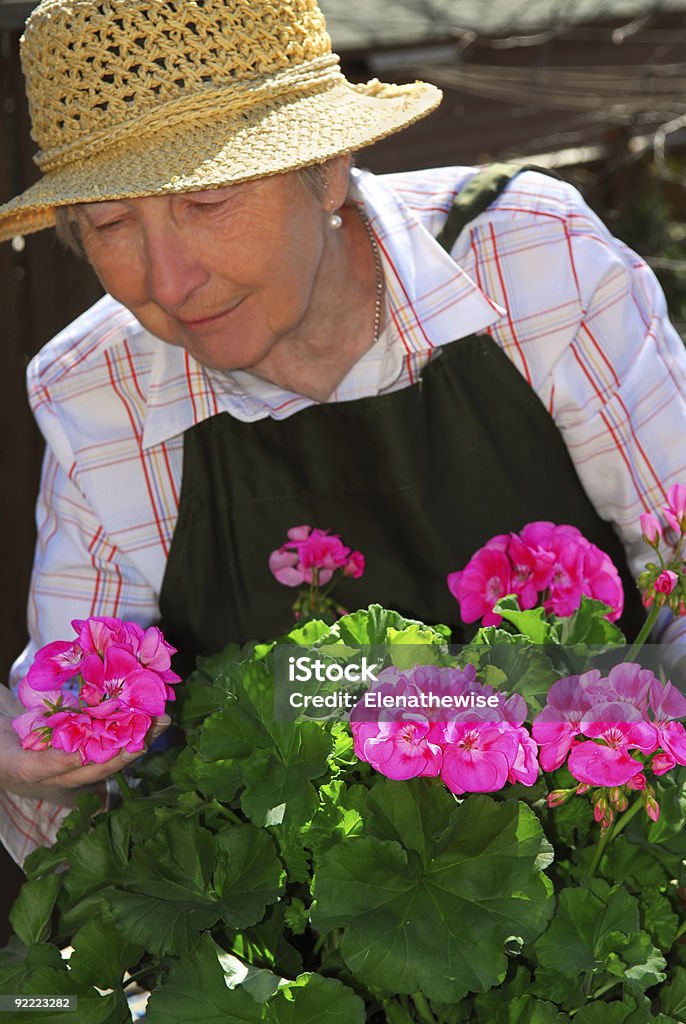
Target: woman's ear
{"x": 337, "y": 180}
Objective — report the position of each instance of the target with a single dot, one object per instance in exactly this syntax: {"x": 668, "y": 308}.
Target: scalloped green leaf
{"x": 195, "y": 991}
{"x": 32, "y": 911}
{"x": 311, "y": 999}
{"x": 430, "y": 907}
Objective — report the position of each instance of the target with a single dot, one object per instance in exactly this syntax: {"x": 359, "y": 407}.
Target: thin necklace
{"x": 378, "y": 272}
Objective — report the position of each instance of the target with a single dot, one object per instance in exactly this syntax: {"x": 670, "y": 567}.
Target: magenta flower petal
{"x": 599, "y": 765}
{"x": 54, "y": 664}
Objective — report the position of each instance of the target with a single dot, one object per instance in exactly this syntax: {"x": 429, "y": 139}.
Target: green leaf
{"x": 659, "y": 920}
{"x": 219, "y": 780}
{"x": 431, "y": 906}
{"x": 526, "y": 669}
{"x": 249, "y": 876}
{"x": 572, "y": 943}
{"x": 195, "y": 991}
{"x": 673, "y": 995}
{"x": 261, "y": 984}
{"x": 276, "y": 760}
{"x": 573, "y": 821}
{"x": 311, "y": 999}
{"x": 528, "y": 1010}
{"x": 278, "y": 787}
{"x": 77, "y": 822}
{"x": 167, "y": 897}
{"x": 94, "y": 861}
{"x": 589, "y": 625}
{"x": 17, "y": 963}
{"x": 266, "y": 945}
{"x": 101, "y": 954}
{"x": 339, "y": 817}
{"x": 633, "y": 958}
{"x": 32, "y": 911}
{"x": 415, "y": 645}
{"x": 43, "y": 976}
{"x": 532, "y": 624}
{"x": 613, "y": 1013}
{"x": 371, "y": 626}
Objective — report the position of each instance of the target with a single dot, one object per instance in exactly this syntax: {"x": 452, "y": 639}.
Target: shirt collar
{"x": 430, "y": 302}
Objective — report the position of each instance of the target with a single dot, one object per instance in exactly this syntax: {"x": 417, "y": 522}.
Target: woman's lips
{"x": 209, "y": 321}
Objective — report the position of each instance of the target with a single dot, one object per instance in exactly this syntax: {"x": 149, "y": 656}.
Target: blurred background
{"x": 593, "y": 88}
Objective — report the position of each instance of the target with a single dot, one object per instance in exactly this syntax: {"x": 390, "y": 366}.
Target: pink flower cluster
{"x": 610, "y": 730}
{"x": 439, "y": 721}
{"x": 543, "y": 564}
{"x": 96, "y": 694}
{"x": 663, "y": 583}
{"x": 312, "y": 556}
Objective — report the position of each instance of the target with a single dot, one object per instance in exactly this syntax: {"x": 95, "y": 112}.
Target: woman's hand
{"x": 51, "y": 774}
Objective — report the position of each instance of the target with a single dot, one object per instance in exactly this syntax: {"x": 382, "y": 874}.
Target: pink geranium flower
{"x": 97, "y": 694}
{"x": 402, "y": 750}
{"x": 120, "y": 675}
{"x": 311, "y": 556}
{"x": 548, "y": 564}
{"x": 559, "y": 723}
{"x": 480, "y": 586}
{"x": 476, "y": 747}
{"x": 54, "y": 664}
{"x": 607, "y": 764}
{"x": 477, "y": 757}
{"x": 100, "y": 733}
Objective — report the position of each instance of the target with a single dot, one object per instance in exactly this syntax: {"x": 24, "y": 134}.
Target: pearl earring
{"x": 335, "y": 221}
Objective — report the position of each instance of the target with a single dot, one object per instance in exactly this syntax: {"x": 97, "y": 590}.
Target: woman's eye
{"x": 209, "y": 204}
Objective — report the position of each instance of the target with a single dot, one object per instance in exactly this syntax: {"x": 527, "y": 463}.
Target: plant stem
{"x": 626, "y": 817}
{"x": 611, "y": 833}
{"x": 138, "y": 974}
{"x": 644, "y": 633}
{"x": 395, "y": 1014}
{"x": 606, "y": 988}
{"x": 423, "y": 1011}
{"x": 126, "y": 790}
{"x": 226, "y": 811}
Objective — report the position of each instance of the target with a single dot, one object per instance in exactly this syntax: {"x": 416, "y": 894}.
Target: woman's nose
{"x": 173, "y": 271}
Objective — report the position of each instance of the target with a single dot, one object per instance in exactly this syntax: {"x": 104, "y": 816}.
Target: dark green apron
{"x": 417, "y": 480}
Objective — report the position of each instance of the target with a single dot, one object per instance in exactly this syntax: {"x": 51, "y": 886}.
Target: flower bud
{"x": 651, "y": 529}
{"x": 557, "y": 797}
{"x": 638, "y": 782}
{"x": 666, "y": 582}
{"x": 651, "y": 805}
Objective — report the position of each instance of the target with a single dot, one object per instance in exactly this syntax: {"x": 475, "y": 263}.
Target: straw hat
{"x": 141, "y": 97}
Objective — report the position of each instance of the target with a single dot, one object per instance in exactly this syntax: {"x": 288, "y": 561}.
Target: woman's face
{"x": 226, "y": 273}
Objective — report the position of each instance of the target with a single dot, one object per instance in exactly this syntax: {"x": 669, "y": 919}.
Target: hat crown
{"x": 92, "y": 66}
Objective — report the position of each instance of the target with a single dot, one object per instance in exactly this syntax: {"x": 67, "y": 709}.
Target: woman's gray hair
{"x": 68, "y": 230}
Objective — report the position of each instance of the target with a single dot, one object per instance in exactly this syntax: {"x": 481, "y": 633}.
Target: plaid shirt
{"x": 580, "y": 315}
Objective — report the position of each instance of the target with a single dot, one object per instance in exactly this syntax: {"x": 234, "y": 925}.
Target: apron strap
{"x": 477, "y": 196}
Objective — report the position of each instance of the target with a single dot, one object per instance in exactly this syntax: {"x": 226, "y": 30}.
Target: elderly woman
{"x": 267, "y": 351}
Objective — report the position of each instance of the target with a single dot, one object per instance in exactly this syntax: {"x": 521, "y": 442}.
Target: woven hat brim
{"x": 270, "y": 140}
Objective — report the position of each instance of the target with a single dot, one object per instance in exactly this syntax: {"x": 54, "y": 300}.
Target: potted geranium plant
{"x": 505, "y": 844}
